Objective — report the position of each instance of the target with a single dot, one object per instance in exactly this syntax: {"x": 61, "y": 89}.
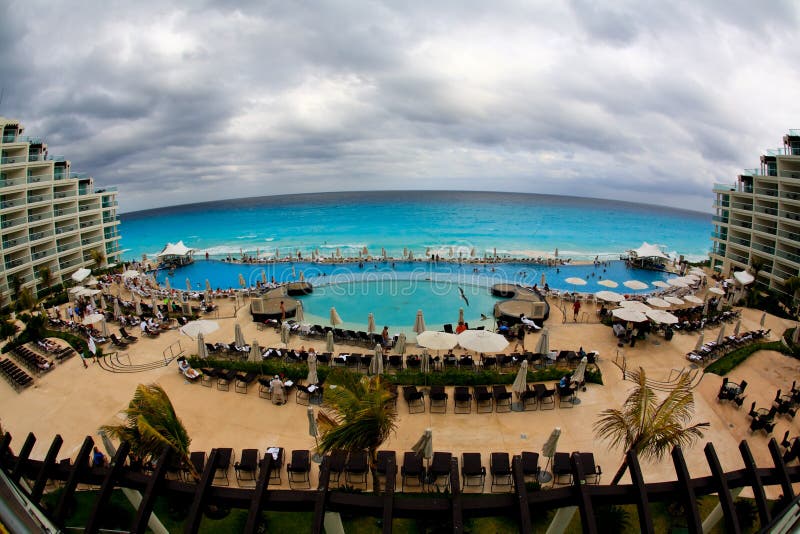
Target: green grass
{"x": 727, "y": 363}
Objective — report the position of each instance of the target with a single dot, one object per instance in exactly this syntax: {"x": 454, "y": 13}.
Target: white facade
{"x": 757, "y": 219}
{"x": 49, "y": 216}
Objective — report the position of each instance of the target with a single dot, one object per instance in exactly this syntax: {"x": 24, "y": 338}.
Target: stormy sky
{"x": 185, "y": 102}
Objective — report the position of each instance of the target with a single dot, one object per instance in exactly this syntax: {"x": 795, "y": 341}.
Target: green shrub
{"x": 727, "y": 363}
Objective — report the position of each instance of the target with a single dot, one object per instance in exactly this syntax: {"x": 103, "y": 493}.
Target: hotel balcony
{"x": 739, "y": 241}
{"x": 35, "y": 199}
{"x": 764, "y": 229}
{"x": 40, "y": 178}
{"x": 63, "y": 212}
{"x": 13, "y": 263}
{"x": 67, "y": 247}
{"x": 719, "y": 219}
{"x": 10, "y": 223}
{"x": 724, "y": 188}
{"x": 13, "y": 182}
{"x": 37, "y": 236}
{"x": 15, "y": 242}
{"x": 41, "y": 254}
{"x": 67, "y": 228}
{"x": 66, "y": 264}
{"x": 64, "y": 194}
{"x": 794, "y": 258}
{"x": 91, "y": 240}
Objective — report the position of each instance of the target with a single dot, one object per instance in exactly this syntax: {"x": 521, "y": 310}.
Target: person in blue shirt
{"x": 98, "y": 460}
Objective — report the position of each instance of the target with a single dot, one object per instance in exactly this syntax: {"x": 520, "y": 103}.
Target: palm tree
{"x": 151, "y": 424}
{"x": 97, "y": 257}
{"x": 360, "y": 416}
{"x": 45, "y": 277}
{"x": 648, "y": 427}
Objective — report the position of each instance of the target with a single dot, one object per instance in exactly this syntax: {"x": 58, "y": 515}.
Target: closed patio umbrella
{"x": 635, "y": 285}
{"x": 424, "y": 445}
{"x": 376, "y": 364}
{"x": 208, "y": 285}
{"x": 117, "y": 310}
{"x": 720, "y": 304}
{"x": 400, "y": 346}
{"x": 542, "y": 280}
{"x": 102, "y": 302}
{"x": 763, "y": 319}
{"x": 335, "y": 319}
{"x": 285, "y": 333}
{"x": 207, "y": 297}
{"x": 299, "y": 315}
{"x": 329, "y": 341}
{"x": 242, "y": 282}
{"x": 419, "y": 323}
{"x": 312, "y": 368}
{"x": 721, "y": 336}
{"x": 167, "y": 285}
{"x": 371, "y": 323}
{"x": 608, "y": 283}
{"x": 543, "y": 345}
{"x": 103, "y": 327}
{"x": 194, "y": 328}
{"x": 521, "y": 381}
{"x": 186, "y": 307}
{"x": 202, "y": 352}
{"x": 302, "y": 276}
{"x": 796, "y": 334}
{"x": 580, "y": 372}
{"x": 548, "y": 451}
{"x": 705, "y": 308}
{"x": 255, "y": 352}
{"x": 461, "y": 315}
{"x": 263, "y": 277}
{"x": 313, "y": 430}
{"x": 238, "y": 337}
{"x": 700, "y": 339}
{"x": 737, "y": 327}
{"x": 137, "y": 305}
{"x": 425, "y": 362}
{"x": 482, "y": 341}
{"x": 188, "y": 284}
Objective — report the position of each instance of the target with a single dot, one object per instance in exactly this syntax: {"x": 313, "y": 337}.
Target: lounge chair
{"x": 566, "y": 395}
{"x": 591, "y": 471}
{"x": 529, "y": 399}
{"x": 247, "y": 466}
{"x": 473, "y": 474}
{"x": 463, "y": 400}
{"x": 502, "y": 398}
{"x": 500, "y": 469}
{"x": 356, "y": 468}
{"x": 224, "y": 459}
{"x": 336, "y": 462}
{"x": 277, "y": 466}
{"x": 198, "y": 461}
{"x": 488, "y": 362}
{"x": 224, "y": 379}
{"x": 116, "y": 342}
{"x": 466, "y": 362}
{"x": 437, "y": 398}
{"x": 125, "y": 336}
{"x": 412, "y": 469}
{"x": 243, "y": 381}
{"x": 530, "y": 465}
{"x": 440, "y": 469}
{"x": 382, "y": 463}
{"x": 264, "y": 389}
{"x": 483, "y": 399}
{"x": 299, "y": 466}
{"x": 414, "y": 399}
{"x": 561, "y": 468}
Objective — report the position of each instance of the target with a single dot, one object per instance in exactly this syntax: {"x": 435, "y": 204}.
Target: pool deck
{"x": 74, "y": 402}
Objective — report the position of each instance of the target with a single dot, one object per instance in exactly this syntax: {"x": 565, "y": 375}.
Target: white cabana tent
{"x": 648, "y": 255}
{"x": 743, "y": 277}
{"x": 177, "y": 253}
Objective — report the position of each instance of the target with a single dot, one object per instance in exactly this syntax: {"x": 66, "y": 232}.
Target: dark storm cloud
{"x": 180, "y": 103}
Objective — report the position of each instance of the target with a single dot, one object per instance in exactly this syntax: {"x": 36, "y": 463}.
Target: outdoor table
{"x": 762, "y": 412}
{"x": 732, "y": 388}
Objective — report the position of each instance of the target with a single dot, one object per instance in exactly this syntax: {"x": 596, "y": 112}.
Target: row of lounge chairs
{"x": 51, "y": 348}
{"x": 712, "y": 350}
{"x": 692, "y": 320}
{"x": 15, "y": 376}
{"x": 32, "y": 360}
{"x": 486, "y": 400}
{"x": 350, "y": 337}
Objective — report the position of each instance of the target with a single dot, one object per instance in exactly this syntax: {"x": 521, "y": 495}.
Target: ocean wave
{"x": 269, "y": 239}
{"x": 246, "y": 236}
{"x": 347, "y": 246}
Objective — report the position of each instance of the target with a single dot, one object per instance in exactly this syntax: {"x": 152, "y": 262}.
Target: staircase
{"x": 695, "y": 376}
{"x": 114, "y": 362}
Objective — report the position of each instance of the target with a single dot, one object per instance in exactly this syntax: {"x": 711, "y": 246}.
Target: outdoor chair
{"x": 336, "y": 462}
{"x": 739, "y": 399}
{"x": 276, "y": 466}
{"x": 413, "y": 362}
{"x": 504, "y": 361}
{"x": 412, "y": 469}
{"x": 354, "y": 361}
{"x": 243, "y": 381}
{"x": 299, "y": 468}
{"x": 483, "y": 399}
{"x": 224, "y": 379}
{"x": 356, "y": 468}
{"x": 382, "y": 464}
{"x": 198, "y": 461}
{"x": 437, "y": 398}
{"x": 488, "y": 362}
{"x": 753, "y": 413}
{"x": 793, "y": 452}
{"x": 500, "y": 469}
{"x": 208, "y": 376}
{"x": 463, "y": 400}
{"x": 449, "y": 360}
{"x": 414, "y": 399}
{"x": 448, "y": 328}
{"x": 396, "y": 362}
{"x": 466, "y": 362}
{"x": 473, "y": 474}
{"x": 566, "y": 394}
{"x": 530, "y": 465}
{"x": 591, "y": 472}
{"x": 126, "y": 336}
{"x": 365, "y": 361}
{"x": 502, "y": 398}
{"x": 116, "y": 342}
{"x": 440, "y": 470}
{"x": 529, "y": 399}
{"x": 224, "y": 458}
{"x": 246, "y": 467}
{"x": 264, "y": 390}
{"x": 562, "y": 467}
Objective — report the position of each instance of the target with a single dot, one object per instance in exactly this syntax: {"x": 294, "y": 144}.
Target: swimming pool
{"x": 394, "y": 291}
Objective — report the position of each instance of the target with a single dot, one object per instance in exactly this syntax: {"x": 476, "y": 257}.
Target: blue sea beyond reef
{"x": 520, "y": 225}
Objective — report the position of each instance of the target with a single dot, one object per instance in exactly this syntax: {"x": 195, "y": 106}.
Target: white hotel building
{"x": 49, "y": 215}
{"x": 757, "y": 219}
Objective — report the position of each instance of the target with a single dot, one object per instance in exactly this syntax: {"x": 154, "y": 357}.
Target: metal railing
{"x": 35, "y": 236}
{"x": 13, "y": 203}
{"x": 63, "y": 194}
{"x": 91, "y": 240}
{"x": 11, "y": 182}
{"x": 87, "y": 224}
{"x": 67, "y": 246}
{"x": 741, "y": 206}
{"x": 60, "y": 212}
{"x": 42, "y": 253}
{"x": 66, "y": 228}
{"x": 766, "y": 191}
{"x": 9, "y": 243}
{"x": 36, "y": 217}
{"x": 764, "y": 228}
{"x": 33, "y": 199}
{"x": 719, "y": 218}
{"x": 39, "y": 178}
{"x": 788, "y": 256}
{"x": 789, "y": 235}
{"x": 764, "y": 248}
{"x": 740, "y": 223}
{"x": 10, "y": 223}
{"x": 66, "y": 264}
{"x": 739, "y": 241}
{"x": 16, "y": 262}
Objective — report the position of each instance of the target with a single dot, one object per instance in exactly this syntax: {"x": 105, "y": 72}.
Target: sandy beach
{"x": 74, "y": 402}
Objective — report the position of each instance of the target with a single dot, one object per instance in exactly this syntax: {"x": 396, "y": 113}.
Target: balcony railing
{"x": 9, "y": 223}
{"x": 60, "y": 212}
{"x": 764, "y": 248}
{"x": 11, "y": 182}
{"x": 719, "y": 218}
{"x": 66, "y": 228}
{"x": 87, "y": 207}
{"x": 111, "y": 219}
{"x": 16, "y": 262}
{"x": 764, "y": 228}
{"x": 13, "y": 203}
{"x": 721, "y": 204}
{"x": 36, "y": 217}
{"x": 722, "y": 188}
{"x": 741, "y": 224}
{"x": 36, "y": 236}
{"x": 39, "y": 178}
{"x": 43, "y": 253}
{"x": 719, "y": 235}
{"x": 70, "y": 263}
{"x": 9, "y": 138}
{"x": 794, "y": 236}
{"x": 87, "y": 224}
{"x": 67, "y": 246}
{"x": 739, "y": 241}
{"x": 111, "y": 204}
{"x": 790, "y": 215}
{"x": 91, "y": 240}
{"x": 772, "y": 212}
{"x": 788, "y": 256}
{"x": 741, "y": 206}
{"x": 766, "y": 191}
{"x": 736, "y": 257}
{"x": 9, "y": 160}
{"x": 790, "y": 174}
{"x": 9, "y": 243}
{"x": 63, "y": 194}
{"x": 33, "y": 199}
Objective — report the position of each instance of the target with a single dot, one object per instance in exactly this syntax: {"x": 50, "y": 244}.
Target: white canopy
{"x": 635, "y": 305}
{"x": 609, "y": 296}
{"x": 437, "y": 340}
{"x": 661, "y": 316}
{"x": 627, "y": 314}
{"x": 743, "y": 277}
{"x": 648, "y": 251}
{"x": 81, "y": 274}
{"x": 176, "y": 249}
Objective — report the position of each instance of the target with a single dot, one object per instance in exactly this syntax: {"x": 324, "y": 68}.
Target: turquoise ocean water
{"x": 521, "y": 225}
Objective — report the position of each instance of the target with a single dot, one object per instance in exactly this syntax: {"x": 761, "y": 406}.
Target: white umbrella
{"x": 692, "y": 278}
{"x": 208, "y": 284}
{"x": 482, "y": 341}
{"x": 400, "y": 346}
{"x": 743, "y": 277}
{"x": 763, "y": 319}
{"x": 117, "y": 310}
{"x": 697, "y": 271}
{"x": 575, "y": 281}
{"x": 93, "y": 318}
{"x": 425, "y": 362}
{"x": 376, "y": 365}
{"x": 635, "y": 305}
{"x": 548, "y": 451}
{"x": 716, "y": 290}
{"x": 678, "y": 282}
{"x": 335, "y": 319}
{"x": 721, "y": 335}
{"x": 130, "y": 273}
{"x": 285, "y": 334}
{"x": 543, "y": 345}
{"x": 627, "y": 314}
{"x": 370, "y": 323}
{"x": 693, "y": 299}
{"x": 202, "y": 351}
{"x": 437, "y": 340}
{"x": 329, "y": 341}
{"x": 104, "y": 327}
{"x": 635, "y": 285}
{"x": 299, "y": 315}
{"x": 609, "y": 296}
{"x": 92, "y": 282}
{"x": 312, "y": 377}
{"x": 238, "y": 336}
{"x": 737, "y": 327}
{"x": 521, "y": 381}
{"x": 461, "y": 315}
{"x": 419, "y": 323}
{"x": 608, "y": 283}
{"x": 658, "y": 302}
{"x": 674, "y": 300}
{"x": 580, "y": 372}
{"x": 202, "y": 326}
{"x": 77, "y": 289}
{"x": 137, "y": 305}
{"x": 700, "y": 339}
{"x": 424, "y": 445}
{"x": 662, "y": 316}
{"x": 662, "y": 284}
{"x": 255, "y": 352}
{"x": 167, "y": 285}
